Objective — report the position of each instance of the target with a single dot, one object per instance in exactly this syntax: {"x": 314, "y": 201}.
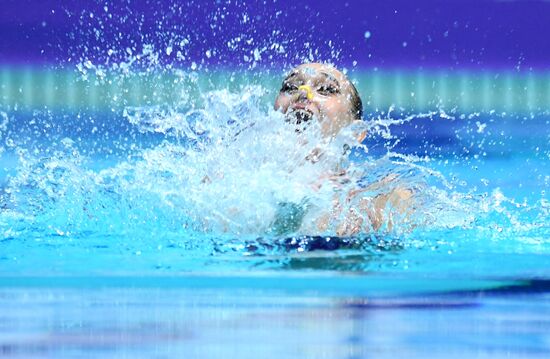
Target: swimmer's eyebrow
{"x": 299, "y": 74}
{"x": 291, "y": 75}
{"x": 330, "y": 77}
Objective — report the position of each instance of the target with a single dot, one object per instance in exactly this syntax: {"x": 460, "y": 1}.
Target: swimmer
{"x": 319, "y": 92}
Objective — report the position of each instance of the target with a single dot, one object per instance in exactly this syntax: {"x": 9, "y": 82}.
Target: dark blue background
{"x": 438, "y": 34}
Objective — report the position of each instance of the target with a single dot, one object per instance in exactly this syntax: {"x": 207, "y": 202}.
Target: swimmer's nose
{"x": 305, "y": 89}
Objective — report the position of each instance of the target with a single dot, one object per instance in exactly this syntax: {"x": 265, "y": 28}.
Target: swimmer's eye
{"x": 327, "y": 90}
{"x": 289, "y": 87}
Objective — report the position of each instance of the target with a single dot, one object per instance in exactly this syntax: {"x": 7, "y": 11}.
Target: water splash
{"x": 235, "y": 168}
{"x": 233, "y": 178}
{"x": 227, "y": 174}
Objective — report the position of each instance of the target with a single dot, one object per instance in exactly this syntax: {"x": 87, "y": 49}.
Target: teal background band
{"x": 464, "y": 91}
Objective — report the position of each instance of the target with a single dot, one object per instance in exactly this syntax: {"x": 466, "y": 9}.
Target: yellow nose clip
{"x": 307, "y": 89}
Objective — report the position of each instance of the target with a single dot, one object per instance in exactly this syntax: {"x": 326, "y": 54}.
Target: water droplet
{"x": 257, "y": 55}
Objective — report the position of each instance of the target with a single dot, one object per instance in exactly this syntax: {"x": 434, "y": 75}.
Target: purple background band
{"x": 428, "y": 34}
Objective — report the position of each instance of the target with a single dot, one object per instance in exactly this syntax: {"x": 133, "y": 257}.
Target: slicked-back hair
{"x": 356, "y": 103}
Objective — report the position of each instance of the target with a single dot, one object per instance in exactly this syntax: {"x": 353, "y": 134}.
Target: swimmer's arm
{"x": 378, "y": 210}
{"x": 381, "y": 209}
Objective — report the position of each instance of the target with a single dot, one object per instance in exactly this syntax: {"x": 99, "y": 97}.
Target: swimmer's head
{"x": 319, "y": 91}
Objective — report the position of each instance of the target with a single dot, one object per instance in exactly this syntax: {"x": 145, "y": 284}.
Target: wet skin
{"x": 329, "y": 100}
{"x": 320, "y": 92}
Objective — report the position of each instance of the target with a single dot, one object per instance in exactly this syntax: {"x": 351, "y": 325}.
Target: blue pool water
{"x": 99, "y": 256}
{"x": 95, "y": 193}
{"x": 211, "y": 317}
{"x": 154, "y": 205}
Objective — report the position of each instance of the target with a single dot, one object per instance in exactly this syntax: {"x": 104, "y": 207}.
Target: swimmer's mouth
{"x": 299, "y": 117}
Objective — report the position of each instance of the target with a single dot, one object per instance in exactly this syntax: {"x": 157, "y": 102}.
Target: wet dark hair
{"x": 356, "y": 103}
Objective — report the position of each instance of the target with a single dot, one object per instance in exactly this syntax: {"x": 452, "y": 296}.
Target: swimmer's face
{"x": 317, "y": 91}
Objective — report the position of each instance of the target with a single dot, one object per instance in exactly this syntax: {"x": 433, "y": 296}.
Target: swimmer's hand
{"x": 380, "y": 210}
{"x": 370, "y": 213}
